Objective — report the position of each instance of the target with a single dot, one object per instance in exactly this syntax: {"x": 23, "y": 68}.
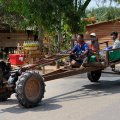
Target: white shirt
{"x": 116, "y": 44}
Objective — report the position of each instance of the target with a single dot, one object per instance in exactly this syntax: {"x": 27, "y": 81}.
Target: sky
{"x": 93, "y": 4}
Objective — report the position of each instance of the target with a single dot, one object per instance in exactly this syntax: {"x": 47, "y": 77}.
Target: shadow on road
{"x": 101, "y": 88}
{"x": 17, "y": 109}
{"x": 98, "y": 89}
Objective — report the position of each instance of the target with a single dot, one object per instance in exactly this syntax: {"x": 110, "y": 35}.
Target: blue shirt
{"x": 80, "y": 49}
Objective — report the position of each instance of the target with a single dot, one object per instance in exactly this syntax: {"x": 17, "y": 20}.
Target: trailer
{"x": 29, "y": 86}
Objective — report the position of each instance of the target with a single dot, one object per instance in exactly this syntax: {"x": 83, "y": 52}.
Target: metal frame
{"x": 69, "y": 71}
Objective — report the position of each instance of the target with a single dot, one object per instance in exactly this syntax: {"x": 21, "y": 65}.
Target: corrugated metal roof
{"x": 103, "y": 22}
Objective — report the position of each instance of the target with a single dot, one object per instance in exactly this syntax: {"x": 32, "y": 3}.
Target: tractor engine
{"x": 4, "y": 71}
{"x": 5, "y": 90}
{"x": 28, "y": 86}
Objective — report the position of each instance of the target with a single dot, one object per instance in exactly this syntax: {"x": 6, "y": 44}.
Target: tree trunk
{"x": 73, "y": 40}
{"x": 59, "y": 41}
{"x": 59, "y": 30}
{"x": 40, "y": 37}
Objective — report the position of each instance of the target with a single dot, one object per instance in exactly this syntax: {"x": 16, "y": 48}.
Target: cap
{"x": 92, "y": 34}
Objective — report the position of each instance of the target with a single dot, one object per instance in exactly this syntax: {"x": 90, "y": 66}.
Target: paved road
{"x": 71, "y": 98}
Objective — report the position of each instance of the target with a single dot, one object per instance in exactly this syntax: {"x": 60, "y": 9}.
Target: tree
{"x": 104, "y": 13}
{"x": 118, "y": 1}
{"x": 11, "y": 18}
{"x": 49, "y": 15}
{"x": 35, "y": 13}
{"x": 74, "y": 15}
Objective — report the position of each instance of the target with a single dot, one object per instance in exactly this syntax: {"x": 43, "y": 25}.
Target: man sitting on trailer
{"x": 79, "y": 52}
{"x": 116, "y": 44}
{"x": 115, "y": 39}
{"x": 94, "y": 43}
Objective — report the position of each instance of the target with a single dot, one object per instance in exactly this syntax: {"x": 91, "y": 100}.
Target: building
{"x": 9, "y": 37}
{"x": 103, "y": 30}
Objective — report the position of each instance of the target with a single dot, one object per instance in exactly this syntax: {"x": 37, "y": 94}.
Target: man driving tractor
{"x": 79, "y": 53}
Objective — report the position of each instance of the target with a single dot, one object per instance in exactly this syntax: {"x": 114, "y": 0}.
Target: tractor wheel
{"x": 94, "y": 76}
{"x": 30, "y": 89}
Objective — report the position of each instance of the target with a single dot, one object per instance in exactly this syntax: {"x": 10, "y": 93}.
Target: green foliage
{"x": 104, "y": 13}
{"x": 54, "y": 16}
{"x": 49, "y": 13}
{"x": 11, "y": 18}
{"x": 75, "y": 14}
{"x": 118, "y": 1}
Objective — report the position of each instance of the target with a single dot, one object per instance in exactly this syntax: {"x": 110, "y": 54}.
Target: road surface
{"x": 71, "y": 98}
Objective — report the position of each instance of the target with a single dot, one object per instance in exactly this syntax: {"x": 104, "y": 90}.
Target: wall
{"x": 103, "y": 30}
{"x": 11, "y": 39}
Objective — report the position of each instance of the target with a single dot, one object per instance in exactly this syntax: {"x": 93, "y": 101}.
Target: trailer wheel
{"x": 30, "y": 89}
{"x": 94, "y": 76}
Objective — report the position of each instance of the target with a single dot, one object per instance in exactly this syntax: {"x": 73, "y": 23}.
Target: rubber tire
{"x": 20, "y": 89}
{"x": 94, "y": 76}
